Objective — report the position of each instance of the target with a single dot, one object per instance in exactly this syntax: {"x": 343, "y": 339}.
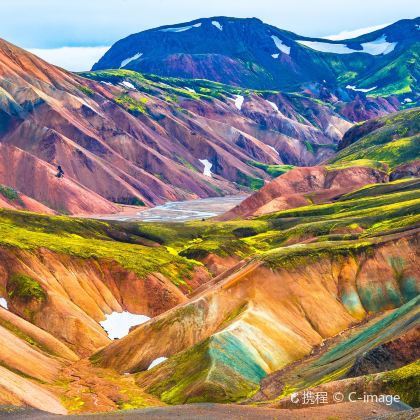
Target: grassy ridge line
{"x": 135, "y": 246}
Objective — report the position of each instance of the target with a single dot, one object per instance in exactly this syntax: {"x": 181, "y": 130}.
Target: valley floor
{"x": 344, "y": 411}
{"x": 179, "y": 211}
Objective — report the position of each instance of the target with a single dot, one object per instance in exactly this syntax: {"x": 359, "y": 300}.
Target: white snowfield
{"x": 189, "y": 89}
{"x": 128, "y": 85}
{"x": 207, "y": 167}
{"x": 275, "y": 55}
{"x": 156, "y": 362}
{"x": 280, "y": 45}
{"x": 181, "y": 28}
{"x": 360, "y": 89}
{"x": 3, "y": 303}
{"x": 408, "y": 100}
{"x": 217, "y": 25}
{"x": 377, "y": 47}
{"x": 106, "y": 83}
{"x": 130, "y": 59}
{"x": 274, "y": 106}
{"x": 118, "y": 324}
{"x": 239, "y": 101}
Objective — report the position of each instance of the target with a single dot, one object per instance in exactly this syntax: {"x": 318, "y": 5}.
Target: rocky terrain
{"x": 124, "y": 138}
{"x": 311, "y": 283}
{"x": 379, "y": 150}
{"x": 235, "y": 304}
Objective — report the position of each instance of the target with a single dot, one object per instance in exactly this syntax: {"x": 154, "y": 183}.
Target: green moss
{"x": 405, "y": 382}
{"x": 10, "y": 194}
{"x": 86, "y": 90}
{"x": 94, "y": 240}
{"x": 249, "y": 181}
{"x": 25, "y": 287}
{"x": 395, "y": 142}
{"x": 273, "y": 170}
{"x": 131, "y": 104}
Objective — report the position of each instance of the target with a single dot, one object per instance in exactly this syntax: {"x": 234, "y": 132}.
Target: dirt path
{"x": 345, "y": 411}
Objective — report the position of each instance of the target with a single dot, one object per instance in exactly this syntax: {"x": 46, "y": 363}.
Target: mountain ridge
{"x": 253, "y": 54}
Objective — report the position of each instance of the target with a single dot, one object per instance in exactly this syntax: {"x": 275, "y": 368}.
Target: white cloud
{"x": 71, "y": 58}
{"x": 355, "y": 32}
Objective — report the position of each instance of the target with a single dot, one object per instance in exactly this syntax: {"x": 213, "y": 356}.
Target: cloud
{"x": 355, "y": 32}
{"x": 71, "y": 58}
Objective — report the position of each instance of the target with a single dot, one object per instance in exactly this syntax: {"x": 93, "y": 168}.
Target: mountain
{"x": 252, "y": 331}
{"x": 251, "y": 53}
{"x": 382, "y": 149}
{"x": 125, "y": 138}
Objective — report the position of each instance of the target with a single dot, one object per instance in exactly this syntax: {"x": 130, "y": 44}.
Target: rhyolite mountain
{"x": 251, "y": 53}
{"x": 234, "y": 305}
{"x": 122, "y": 137}
{"x": 379, "y": 150}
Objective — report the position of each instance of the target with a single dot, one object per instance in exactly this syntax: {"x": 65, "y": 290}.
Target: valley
{"x": 182, "y": 211}
{"x": 186, "y": 233}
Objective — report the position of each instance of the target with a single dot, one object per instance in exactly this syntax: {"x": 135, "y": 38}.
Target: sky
{"x": 49, "y": 27}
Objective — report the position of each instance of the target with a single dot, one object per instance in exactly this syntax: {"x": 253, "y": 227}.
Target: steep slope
{"x": 60, "y": 278}
{"x": 245, "y": 323}
{"x": 381, "y": 149}
{"x": 128, "y": 139}
{"x": 250, "y": 53}
{"x": 393, "y": 140}
{"x": 65, "y": 275}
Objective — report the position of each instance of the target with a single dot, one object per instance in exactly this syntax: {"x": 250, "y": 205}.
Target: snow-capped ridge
{"x": 376, "y": 47}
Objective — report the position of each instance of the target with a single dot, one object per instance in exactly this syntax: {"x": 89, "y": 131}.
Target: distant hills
{"x": 251, "y": 53}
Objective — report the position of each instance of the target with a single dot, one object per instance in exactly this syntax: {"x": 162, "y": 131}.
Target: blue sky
{"x": 51, "y": 24}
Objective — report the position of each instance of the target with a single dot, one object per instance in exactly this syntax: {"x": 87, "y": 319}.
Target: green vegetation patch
{"x": 395, "y": 142}
{"x": 10, "y": 194}
{"x": 272, "y": 170}
{"x": 25, "y": 287}
{"x": 86, "y": 90}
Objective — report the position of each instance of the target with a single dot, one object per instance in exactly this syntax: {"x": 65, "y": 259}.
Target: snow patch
{"x": 189, "y": 89}
{"x": 408, "y": 100}
{"x": 327, "y": 48}
{"x": 128, "y": 85}
{"x": 274, "y": 106}
{"x": 156, "y": 362}
{"x": 207, "y": 167}
{"x": 217, "y": 25}
{"x": 239, "y": 101}
{"x": 118, "y": 324}
{"x": 181, "y": 28}
{"x": 275, "y": 55}
{"x": 377, "y": 47}
{"x": 106, "y": 83}
{"x": 130, "y": 59}
{"x": 359, "y": 89}
{"x": 272, "y": 148}
{"x": 3, "y": 303}
{"x": 280, "y": 45}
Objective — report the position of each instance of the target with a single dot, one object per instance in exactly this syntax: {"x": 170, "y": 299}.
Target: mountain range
{"x": 253, "y": 54}
{"x": 309, "y": 286}
{"x": 125, "y": 138}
